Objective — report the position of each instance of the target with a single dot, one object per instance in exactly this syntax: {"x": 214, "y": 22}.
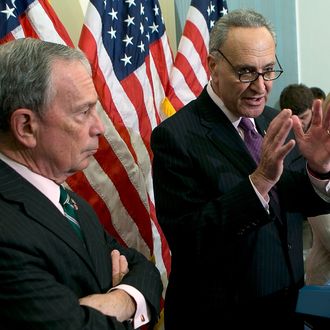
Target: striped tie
{"x": 252, "y": 139}
{"x": 69, "y": 207}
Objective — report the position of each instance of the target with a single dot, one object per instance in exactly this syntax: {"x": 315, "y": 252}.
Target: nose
{"x": 259, "y": 84}
{"x": 98, "y": 127}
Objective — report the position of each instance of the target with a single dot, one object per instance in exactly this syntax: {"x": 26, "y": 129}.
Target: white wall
{"x": 314, "y": 43}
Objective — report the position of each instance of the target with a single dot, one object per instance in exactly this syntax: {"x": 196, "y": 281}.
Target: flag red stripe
{"x": 130, "y": 198}
{"x": 134, "y": 91}
{"x": 155, "y": 112}
{"x": 27, "y": 27}
{"x": 174, "y": 99}
{"x": 192, "y": 32}
{"x": 183, "y": 65}
{"x": 158, "y": 54}
{"x": 164, "y": 245}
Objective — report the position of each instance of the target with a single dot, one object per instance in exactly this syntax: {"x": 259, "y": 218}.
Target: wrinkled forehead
{"x": 73, "y": 80}
{"x": 250, "y": 41}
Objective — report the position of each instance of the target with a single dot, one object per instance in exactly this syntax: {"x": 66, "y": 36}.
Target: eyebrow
{"x": 273, "y": 63}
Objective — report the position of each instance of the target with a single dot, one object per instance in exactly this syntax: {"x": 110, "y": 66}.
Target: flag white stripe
{"x": 18, "y": 33}
{"x": 196, "y": 18}
{"x": 105, "y": 188}
{"x": 42, "y": 24}
{"x": 189, "y": 51}
{"x": 119, "y": 147}
{"x": 183, "y": 92}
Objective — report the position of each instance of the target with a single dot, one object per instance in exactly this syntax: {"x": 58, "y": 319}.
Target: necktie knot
{"x": 64, "y": 196}
{"x": 247, "y": 126}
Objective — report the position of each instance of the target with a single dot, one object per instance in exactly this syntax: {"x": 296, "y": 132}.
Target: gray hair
{"x": 246, "y": 18}
{"x": 26, "y": 75}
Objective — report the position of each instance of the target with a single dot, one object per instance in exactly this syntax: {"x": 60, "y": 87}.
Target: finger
{"x": 279, "y": 129}
{"x": 277, "y": 123}
{"x": 317, "y": 113}
{"x": 285, "y": 149}
{"x": 326, "y": 107}
{"x": 115, "y": 257}
{"x": 123, "y": 265}
{"x": 326, "y": 120}
{"x": 297, "y": 128}
{"x": 283, "y": 131}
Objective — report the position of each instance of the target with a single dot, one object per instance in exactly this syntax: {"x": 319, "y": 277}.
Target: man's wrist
{"x": 317, "y": 175}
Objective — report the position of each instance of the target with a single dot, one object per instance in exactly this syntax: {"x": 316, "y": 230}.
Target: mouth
{"x": 254, "y": 101}
{"x": 91, "y": 152}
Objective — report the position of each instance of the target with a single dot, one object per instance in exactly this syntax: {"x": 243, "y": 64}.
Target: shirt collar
{"x": 48, "y": 187}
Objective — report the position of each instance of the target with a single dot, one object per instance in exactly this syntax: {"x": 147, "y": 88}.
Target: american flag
{"x": 127, "y": 45}
{"x": 31, "y": 18}
{"x": 190, "y": 72}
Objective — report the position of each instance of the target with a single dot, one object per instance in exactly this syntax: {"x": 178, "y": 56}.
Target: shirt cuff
{"x": 321, "y": 187}
{"x": 262, "y": 200}
{"x": 142, "y": 313}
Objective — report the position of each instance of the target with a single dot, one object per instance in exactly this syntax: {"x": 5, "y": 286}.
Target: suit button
{"x": 289, "y": 246}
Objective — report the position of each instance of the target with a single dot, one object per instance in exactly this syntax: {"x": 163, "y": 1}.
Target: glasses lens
{"x": 248, "y": 77}
{"x": 252, "y": 76}
{"x": 272, "y": 75}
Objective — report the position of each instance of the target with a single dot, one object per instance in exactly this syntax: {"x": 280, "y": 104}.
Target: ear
{"x": 212, "y": 64}
{"x": 23, "y": 124}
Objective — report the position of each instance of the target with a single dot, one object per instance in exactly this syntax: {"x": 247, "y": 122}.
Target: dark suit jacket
{"x": 45, "y": 269}
{"x": 228, "y": 254}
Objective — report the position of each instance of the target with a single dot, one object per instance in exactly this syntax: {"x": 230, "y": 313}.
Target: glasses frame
{"x": 239, "y": 74}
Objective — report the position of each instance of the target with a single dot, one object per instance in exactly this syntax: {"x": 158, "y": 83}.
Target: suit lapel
{"x": 39, "y": 208}
{"x": 94, "y": 238}
{"x": 223, "y": 135}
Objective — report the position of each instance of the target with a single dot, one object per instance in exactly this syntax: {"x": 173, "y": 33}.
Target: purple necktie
{"x": 252, "y": 138}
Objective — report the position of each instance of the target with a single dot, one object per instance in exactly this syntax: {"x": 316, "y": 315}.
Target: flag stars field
{"x": 9, "y": 11}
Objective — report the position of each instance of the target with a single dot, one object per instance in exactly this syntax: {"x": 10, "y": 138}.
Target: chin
{"x": 83, "y": 164}
{"x": 252, "y": 113}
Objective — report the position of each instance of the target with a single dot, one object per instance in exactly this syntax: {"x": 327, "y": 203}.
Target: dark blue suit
{"x": 232, "y": 262}
{"x": 45, "y": 269}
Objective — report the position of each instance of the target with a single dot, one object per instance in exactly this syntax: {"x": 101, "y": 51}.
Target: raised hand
{"x": 315, "y": 143}
{"x": 274, "y": 150}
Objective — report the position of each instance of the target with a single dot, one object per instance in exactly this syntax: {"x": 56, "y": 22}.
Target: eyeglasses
{"x": 248, "y": 77}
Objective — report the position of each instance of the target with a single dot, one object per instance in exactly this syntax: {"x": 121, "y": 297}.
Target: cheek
{"x": 268, "y": 85}
{"x": 62, "y": 143}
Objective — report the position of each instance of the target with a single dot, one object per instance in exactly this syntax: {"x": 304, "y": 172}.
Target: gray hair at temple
{"x": 245, "y": 18}
{"x": 26, "y": 75}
